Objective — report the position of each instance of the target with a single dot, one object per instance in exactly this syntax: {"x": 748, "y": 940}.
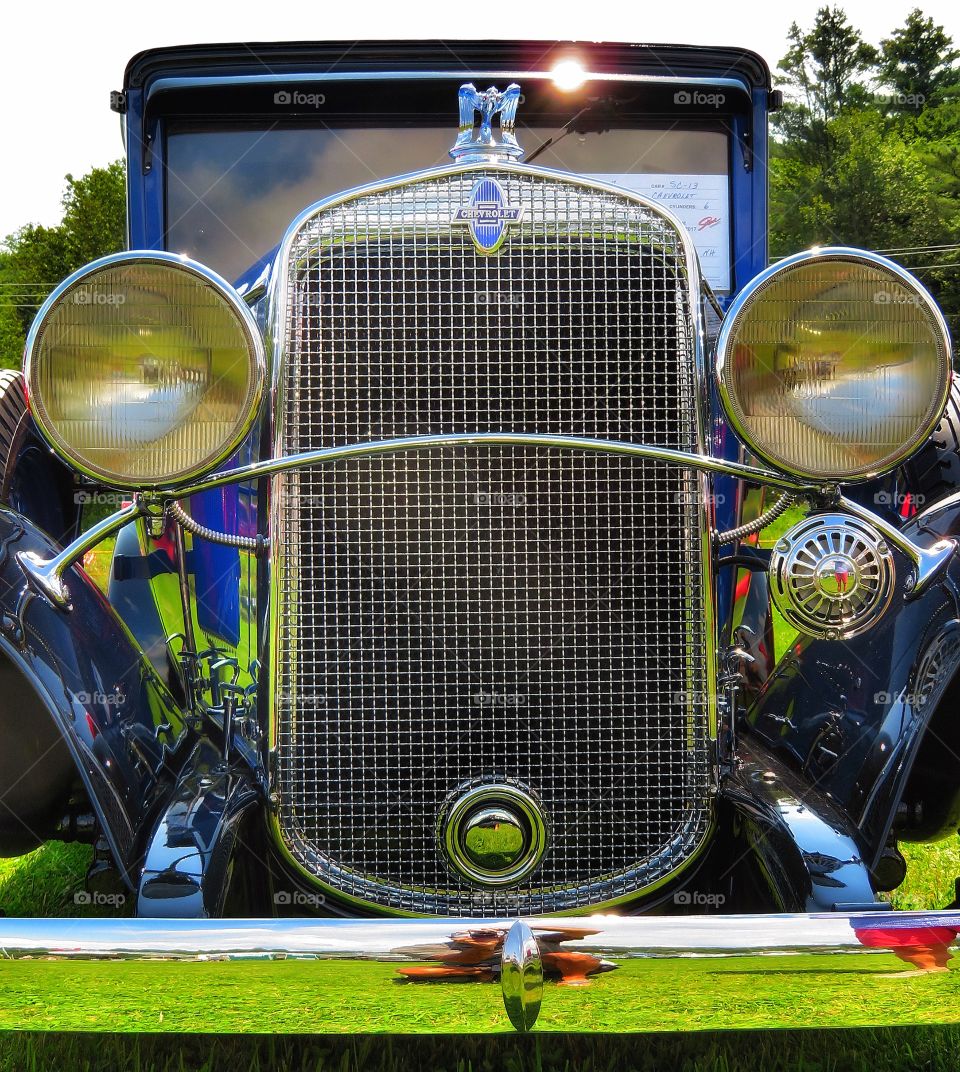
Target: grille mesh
{"x": 469, "y": 613}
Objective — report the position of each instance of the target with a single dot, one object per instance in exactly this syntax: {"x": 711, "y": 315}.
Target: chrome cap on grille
{"x": 492, "y": 834}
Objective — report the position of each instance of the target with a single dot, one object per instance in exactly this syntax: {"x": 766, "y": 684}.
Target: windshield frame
{"x": 209, "y": 82}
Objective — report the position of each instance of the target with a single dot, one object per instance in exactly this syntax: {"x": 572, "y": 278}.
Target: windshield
{"x": 231, "y": 193}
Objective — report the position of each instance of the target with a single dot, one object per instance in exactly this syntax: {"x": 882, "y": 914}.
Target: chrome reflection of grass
{"x": 333, "y": 997}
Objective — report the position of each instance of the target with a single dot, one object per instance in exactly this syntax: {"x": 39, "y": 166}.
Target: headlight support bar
{"x": 46, "y": 576}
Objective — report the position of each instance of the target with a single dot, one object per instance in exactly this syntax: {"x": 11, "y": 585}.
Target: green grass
{"x": 931, "y": 871}
{"x": 45, "y": 881}
{"x": 894, "y": 1050}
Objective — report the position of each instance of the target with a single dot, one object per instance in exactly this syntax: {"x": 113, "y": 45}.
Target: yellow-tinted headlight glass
{"x": 836, "y": 368}
{"x": 143, "y": 373}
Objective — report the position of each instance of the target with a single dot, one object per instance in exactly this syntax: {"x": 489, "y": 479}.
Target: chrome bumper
{"x": 596, "y": 973}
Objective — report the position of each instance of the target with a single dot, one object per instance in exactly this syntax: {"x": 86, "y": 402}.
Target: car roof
{"x": 290, "y": 57}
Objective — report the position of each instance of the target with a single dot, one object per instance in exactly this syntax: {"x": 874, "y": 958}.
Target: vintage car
{"x": 513, "y": 578}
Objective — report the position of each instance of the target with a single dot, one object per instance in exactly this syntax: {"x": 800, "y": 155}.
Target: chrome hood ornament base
{"x": 483, "y": 147}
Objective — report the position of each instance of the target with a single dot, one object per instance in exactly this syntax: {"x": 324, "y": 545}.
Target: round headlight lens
{"x": 834, "y": 365}
{"x": 144, "y": 370}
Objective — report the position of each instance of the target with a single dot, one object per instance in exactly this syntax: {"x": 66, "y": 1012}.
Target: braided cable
{"x": 258, "y": 544}
{"x": 782, "y": 504}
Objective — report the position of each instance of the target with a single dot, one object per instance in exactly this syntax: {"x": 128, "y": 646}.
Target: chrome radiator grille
{"x": 475, "y": 612}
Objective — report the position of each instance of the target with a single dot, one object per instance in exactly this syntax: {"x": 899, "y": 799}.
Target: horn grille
{"x": 831, "y": 576}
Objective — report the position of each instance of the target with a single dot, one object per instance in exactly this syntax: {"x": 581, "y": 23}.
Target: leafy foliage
{"x": 867, "y": 147}
{"x": 822, "y": 66}
{"x": 34, "y": 259}
{"x": 917, "y": 60}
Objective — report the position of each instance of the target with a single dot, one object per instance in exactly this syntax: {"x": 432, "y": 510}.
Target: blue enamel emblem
{"x": 488, "y": 215}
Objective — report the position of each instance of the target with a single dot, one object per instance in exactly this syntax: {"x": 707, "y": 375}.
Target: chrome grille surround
{"x": 400, "y": 541}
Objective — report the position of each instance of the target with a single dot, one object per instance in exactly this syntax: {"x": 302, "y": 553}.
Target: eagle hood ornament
{"x": 482, "y": 146}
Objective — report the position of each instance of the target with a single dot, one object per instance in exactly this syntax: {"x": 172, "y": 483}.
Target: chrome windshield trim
{"x": 269, "y": 78}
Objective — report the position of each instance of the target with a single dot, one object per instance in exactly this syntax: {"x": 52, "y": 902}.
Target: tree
{"x": 822, "y": 72}
{"x": 847, "y": 168}
{"x": 917, "y": 62}
{"x": 95, "y": 213}
{"x": 11, "y": 328}
{"x": 876, "y": 194}
{"x": 36, "y": 258}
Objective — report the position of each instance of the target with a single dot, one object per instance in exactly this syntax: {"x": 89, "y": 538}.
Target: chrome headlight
{"x": 834, "y": 365}
{"x": 144, "y": 369}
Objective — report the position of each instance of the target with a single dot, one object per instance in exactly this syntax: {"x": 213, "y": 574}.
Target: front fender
{"x": 112, "y": 715}
{"x": 849, "y": 716}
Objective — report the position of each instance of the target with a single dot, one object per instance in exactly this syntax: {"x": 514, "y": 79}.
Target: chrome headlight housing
{"x": 144, "y": 369}
{"x": 834, "y": 365}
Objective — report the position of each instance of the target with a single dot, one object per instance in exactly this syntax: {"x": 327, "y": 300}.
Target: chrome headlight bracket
{"x": 46, "y": 575}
